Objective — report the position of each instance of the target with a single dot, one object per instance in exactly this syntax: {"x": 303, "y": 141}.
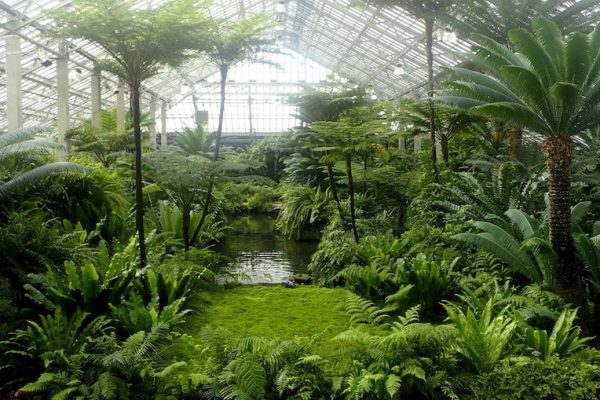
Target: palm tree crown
{"x": 549, "y": 84}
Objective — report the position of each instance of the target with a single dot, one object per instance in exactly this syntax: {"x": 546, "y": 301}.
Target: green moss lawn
{"x": 274, "y": 312}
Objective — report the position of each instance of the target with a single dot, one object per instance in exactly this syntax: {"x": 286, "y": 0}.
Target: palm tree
{"x": 25, "y": 142}
{"x": 231, "y": 43}
{"x": 552, "y": 87}
{"x": 138, "y": 41}
{"x": 448, "y": 123}
{"x": 427, "y": 11}
{"x": 496, "y": 18}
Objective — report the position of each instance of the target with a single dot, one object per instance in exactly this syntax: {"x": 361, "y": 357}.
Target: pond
{"x": 261, "y": 255}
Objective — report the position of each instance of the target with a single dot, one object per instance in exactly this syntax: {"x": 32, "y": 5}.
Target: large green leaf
{"x": 22, "y": 181}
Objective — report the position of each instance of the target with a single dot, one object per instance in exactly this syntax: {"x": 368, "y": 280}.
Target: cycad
{"x": 476, "y": 196}
{"x": 194, "y": 142}
{"x": 529, "y": 255}
{"x": 23, "y": 143}
{"x": 549, "y": 85}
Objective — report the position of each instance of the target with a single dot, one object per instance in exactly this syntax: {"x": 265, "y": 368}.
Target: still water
{"x": 263, "y": 257}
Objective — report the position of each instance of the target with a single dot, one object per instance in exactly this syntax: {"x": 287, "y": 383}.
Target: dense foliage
{"x": 475, "y": 276}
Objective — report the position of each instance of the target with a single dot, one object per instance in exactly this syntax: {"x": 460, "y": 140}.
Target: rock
{"x": 302, "y": 279}
{"x": 289, "y": 284}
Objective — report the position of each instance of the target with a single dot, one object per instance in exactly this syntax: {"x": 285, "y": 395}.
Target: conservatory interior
{"x": 300, "y": 199}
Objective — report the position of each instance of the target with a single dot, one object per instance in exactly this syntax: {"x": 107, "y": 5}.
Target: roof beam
{"x": 419, "y": 39}
{"x": 354, "y": 43}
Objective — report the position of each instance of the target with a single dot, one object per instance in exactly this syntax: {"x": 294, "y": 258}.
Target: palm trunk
{"x": 224, "y": 70}
{"x": 139, "y": 197}
{"x": 429, "y": 38}
{"x": 351, "y": 194}
{"x": 515, "y": 136}
{"x": 567, "y": 277}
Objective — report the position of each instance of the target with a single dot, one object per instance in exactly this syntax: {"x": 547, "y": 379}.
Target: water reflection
{"x": 263, "y": 257}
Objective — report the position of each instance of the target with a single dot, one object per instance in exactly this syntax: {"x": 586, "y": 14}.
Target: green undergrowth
{"x": 275, "y": 312}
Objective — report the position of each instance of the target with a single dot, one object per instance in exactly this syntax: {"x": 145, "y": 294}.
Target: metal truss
{"x": 362, "y": 44}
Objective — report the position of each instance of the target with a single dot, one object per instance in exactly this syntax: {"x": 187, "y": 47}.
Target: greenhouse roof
{"x": 382, "y": 48}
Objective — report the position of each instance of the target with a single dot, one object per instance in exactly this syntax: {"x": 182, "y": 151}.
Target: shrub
{"x": 555, "y": 379}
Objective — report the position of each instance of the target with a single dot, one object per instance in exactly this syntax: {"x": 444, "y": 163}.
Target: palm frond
{"x": 27, "y": 178}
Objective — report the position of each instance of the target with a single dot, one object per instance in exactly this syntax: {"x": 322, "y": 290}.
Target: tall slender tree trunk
{"x": 429, "y": 22}
{"x": 365, "y": 167}
{"x": 333, "y": 187}
{"x": 185, "y": 226}
{"x": 224, "y": 70}
{"x": 334, "y": 192}
{"x": 139, "y": 196}
{"x": 515, "y": 136}
{"x": 445, "y": 147}
{"x": 351, "y": 194}
{"x": 567, "y": 277}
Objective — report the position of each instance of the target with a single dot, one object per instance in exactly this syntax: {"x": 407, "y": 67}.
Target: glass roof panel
{"x": 363, "y": 44}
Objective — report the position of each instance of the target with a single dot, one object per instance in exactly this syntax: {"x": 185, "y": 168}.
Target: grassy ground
{"x": 275, "y": 312}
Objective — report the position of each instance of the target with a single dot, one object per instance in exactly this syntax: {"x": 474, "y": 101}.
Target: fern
{"x": 482, "y": 339}
{"x": 363, "y": 311}
{"x": 562, "y": 341}
{"x": 244, "y": 379}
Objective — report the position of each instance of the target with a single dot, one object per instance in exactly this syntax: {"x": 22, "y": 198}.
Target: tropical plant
{"x": 303, "y": 207}
{"x": 551, "y": 88}
{"x": 396, "y": 363}
{"x": 21, "y": 144}
{"x": 324, "y": 104}
{"x": 102, "y": 366}
{"x": 96, "y": 200}
{"x": 161, "y": 35}
{"x": 194, "y": 142}
{"x": 531, "y": 256}
{"x": 185, "y": 181}
{"x": 562, "y": 341}
{"x": 482, "y": 339}
{"x": 496, "y": 18}
{"x": 258, "y": 368}
{"x": 230, "y": 43}
{"x": 448, "y": 123}
{"x": 105, "y": 143}
{"x": 352, "y": 135}
{"x": 574, "y": 378}
{"x": 402, "y": 283}
{"x": 427, "y": 11}
{"x": 477, "y": 196}
{"x": 87, "y": 287}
